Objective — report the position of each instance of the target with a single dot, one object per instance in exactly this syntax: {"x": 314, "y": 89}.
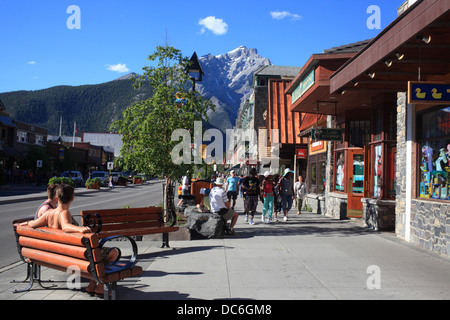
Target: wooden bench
{"x": 59, "y": 250}
{"x": 129, "y": 222}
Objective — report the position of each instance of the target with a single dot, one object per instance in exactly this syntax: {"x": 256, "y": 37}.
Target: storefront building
{"x": 405, "y": 74}
{"x": 310, "y": 94}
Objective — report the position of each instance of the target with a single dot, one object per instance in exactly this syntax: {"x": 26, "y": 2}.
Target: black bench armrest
{"x": 116, "y": 265}
{"x": 92, "y": 221}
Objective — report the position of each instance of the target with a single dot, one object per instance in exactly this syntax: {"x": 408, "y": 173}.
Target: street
{"x": 149, "y": 194}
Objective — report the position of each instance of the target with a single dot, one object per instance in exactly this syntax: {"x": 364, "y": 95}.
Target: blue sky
{"x": 39, "y": 51}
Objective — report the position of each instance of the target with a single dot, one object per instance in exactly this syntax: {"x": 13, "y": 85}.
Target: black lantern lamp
{"x": 195, "y": 70}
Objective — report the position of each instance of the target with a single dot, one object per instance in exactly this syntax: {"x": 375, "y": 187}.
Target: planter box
{"x": 137, "y": 181}
{"x": 93, "y": 186}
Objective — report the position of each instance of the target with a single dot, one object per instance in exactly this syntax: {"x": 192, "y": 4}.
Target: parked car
{"x": 129, "y": 175}
{"x": 103, "y": 176}
{"x": 76, "y": 176}
{"x": 143, "y": 176}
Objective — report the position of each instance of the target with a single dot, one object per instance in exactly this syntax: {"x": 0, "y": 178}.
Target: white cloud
{"x": 217, "y": 26}
{"x": 120, "y": 68}
{"x": 280, "y": 15}
{"x": 31, "y": 62}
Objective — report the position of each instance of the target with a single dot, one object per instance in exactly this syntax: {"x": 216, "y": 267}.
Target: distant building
{"x": 106, "y": 139}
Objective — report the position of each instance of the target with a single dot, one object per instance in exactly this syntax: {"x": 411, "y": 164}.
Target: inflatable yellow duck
{"x": 436, "y": 95}
{"x": 420, "y": 94}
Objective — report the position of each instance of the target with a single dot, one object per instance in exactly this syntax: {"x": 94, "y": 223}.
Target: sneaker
{"x": 251, "y": 221}
{"x": 268, "y": 221}
{"x": 246, "y": 218}
{"x": 285, "y": 218}
{"x": 262, "y": 218}
{"x": 275, "y": 220}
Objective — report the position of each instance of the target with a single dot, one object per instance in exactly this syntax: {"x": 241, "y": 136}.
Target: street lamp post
{"x": 195, "y": 70}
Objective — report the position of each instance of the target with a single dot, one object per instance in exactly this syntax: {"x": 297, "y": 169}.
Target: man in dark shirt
{"x": 250, "y": 185}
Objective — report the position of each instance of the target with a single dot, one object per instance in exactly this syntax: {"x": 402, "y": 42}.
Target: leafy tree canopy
{"x": 147, "y": 126}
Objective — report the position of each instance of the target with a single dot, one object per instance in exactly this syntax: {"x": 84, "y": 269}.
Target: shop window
{"x": 317, "y": 174}
{"x": 359, "y": 133}
{"x": 378, "y": 171}
{"x": 341, "y": 144}
{"x": 434, "y": 153}
{"x": 391, "y": 133}
{"x": 391, "y": 180}
{"x": 340, "y": 171}
{"x": 377, "y": 125}
{"x": 313, "y": 177}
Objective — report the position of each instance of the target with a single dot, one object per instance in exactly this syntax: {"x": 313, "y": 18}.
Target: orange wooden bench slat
{"x": 59, "y": 248}
{"x": 55, "y": 259}
{"x": 56, "y": 235}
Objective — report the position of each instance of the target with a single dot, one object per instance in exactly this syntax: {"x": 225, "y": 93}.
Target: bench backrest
{"x": 126, "y": 219}
{"x": 60, "y": 250}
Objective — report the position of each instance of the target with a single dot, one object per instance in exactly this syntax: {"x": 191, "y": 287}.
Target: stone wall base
{"x": 379, "y": 214}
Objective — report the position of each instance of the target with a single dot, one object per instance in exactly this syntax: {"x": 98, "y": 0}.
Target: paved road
{"x": 149, "y": 194}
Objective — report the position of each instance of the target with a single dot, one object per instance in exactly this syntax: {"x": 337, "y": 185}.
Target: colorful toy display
{"x": 435, "y": 173}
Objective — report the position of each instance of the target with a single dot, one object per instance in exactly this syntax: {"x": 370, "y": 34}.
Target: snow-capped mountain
{"x": 227, "y": 82}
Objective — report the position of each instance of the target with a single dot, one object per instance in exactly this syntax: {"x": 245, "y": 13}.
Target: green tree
{"x": 147, "y": 126}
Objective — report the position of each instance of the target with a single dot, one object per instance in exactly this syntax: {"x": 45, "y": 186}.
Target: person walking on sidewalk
{"x": 268, "y": 196}
{"x": 300, "y": 193}
{"x": 287, "y": 192}
{"x": 232, "y": 188}
{"x": 252, "y": 190}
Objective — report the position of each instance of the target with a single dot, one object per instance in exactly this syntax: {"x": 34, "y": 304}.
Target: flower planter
{"x": 93, "y": 186}
{"x": 137, "y": 181}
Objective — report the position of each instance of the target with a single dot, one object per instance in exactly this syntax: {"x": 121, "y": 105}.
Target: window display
{"x": 378, "y": 172}
{"x": 340, "y": 171}
{"x": 434, "y": 154}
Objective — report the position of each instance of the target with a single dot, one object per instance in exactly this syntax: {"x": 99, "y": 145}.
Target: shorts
{"x": 251, "y": 202}
{"x": 286, "y": 201}
{"x": 228, "y": 214}
{"x": 232, "y": 194}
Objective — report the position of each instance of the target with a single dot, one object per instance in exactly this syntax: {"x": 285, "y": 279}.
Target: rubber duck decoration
{"x": 420, "y": 94}
{"x": 436, "y": 95}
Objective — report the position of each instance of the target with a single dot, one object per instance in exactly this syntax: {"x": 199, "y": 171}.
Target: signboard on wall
{"x": 316, "y": 147}
{"x": 428, "y": 93}
{"x": 302, "y": 153}
{"x": 307, "y": 83}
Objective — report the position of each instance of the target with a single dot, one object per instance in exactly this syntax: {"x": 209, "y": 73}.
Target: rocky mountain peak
{"x": 227, "y": 82}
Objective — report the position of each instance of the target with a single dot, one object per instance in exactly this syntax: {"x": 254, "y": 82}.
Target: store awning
{"x": 420, "y": 37}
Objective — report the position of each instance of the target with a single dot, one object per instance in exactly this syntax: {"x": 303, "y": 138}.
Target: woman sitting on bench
{"x": 60, "y": 218}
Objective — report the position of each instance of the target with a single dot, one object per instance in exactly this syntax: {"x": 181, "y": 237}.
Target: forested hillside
{"x": 93, "y": 107}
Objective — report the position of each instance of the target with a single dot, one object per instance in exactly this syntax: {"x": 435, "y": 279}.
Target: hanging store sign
{"x": 428, "y": 92}
{"x": 326, "y": 134}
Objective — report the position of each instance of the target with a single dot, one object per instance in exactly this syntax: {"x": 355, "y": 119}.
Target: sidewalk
{"x": 308, "y": 257}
